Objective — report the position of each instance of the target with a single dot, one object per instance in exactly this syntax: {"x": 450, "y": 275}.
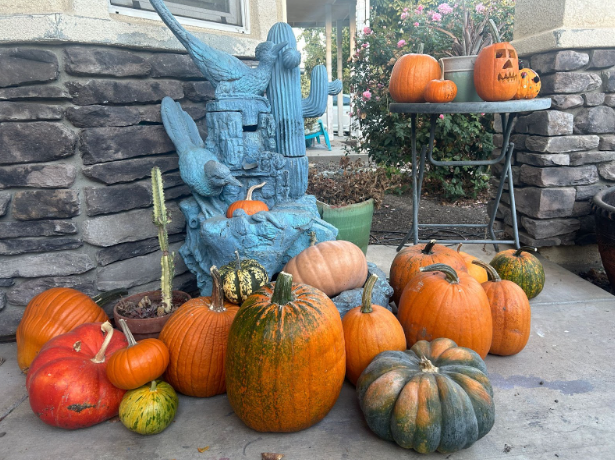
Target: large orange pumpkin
{"x": 410, "y": 76}
{"x": 408, "y": 261}
{"x": 51, "y": 313}
{"x": 368, "y": 330}
{"x": 443, "y": 303}
{"x": 286, "y": 357}
{"x": 496, "y": 72}
{"x": 511, "y": 313}
{"x": 196, "y": 335}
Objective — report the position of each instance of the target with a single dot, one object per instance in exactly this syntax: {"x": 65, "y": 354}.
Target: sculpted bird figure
{"x": 198, "y": 167}
{"x": 229, "y": 75}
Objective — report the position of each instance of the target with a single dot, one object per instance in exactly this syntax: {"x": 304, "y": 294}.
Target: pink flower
{"x": 436, "y": 17}
{"x": 405, "y": 10}
{"x": 445, "y": 8}
{"x": 366, "y": 95}
{"x": 367, "y": 30}
{"x": 416, "y": 24}
{"x": 480, "y": 8}
{"x": 365, "y": 45}
{"x": 404, "y": 15}
{"x": 441, "y": 117}
{"x": 401, "y": 43}
{"x": 380, "y": 85}
{"x": 419, "y": 9}
{"x": 377, "y": 98}
{"x": 350, "y": 114}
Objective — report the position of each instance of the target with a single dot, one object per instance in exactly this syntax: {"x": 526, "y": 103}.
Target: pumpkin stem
{"x": 100, "y": 356}
{"x": 427, "y": 366}
{"x": 366, "y": 298}
{"x": 524, "y": 248}
{"x": 459, "y": 247}
{"x": 312, "y": 238}
{"x": 238, "y": 262}
{"x": 421, "y": 48}
{"x": 251, "y": 190}
{"x": 451, "y": 274}
{"x": 283, "y": 289}
{"x": 127, "y": 333}
{"x": 492, "y": 274}
{"x": 153, "y": 386}
{"x": 428, "y": 247}
{"x": 217, "y": 291}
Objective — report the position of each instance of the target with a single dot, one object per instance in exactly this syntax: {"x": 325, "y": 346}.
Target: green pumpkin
{"x": 241, "y": 278}
{"x": 521, "y": 267}
{"x": 435, "y": 396}
{"x": 149, "y": 409}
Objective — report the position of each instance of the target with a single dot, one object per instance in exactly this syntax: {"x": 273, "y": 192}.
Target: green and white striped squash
{"x": 241, "y": 278}
{"x": 149, "y": 409}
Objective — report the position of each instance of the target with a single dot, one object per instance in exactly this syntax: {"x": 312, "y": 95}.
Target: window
{"x": 220, "y": 14}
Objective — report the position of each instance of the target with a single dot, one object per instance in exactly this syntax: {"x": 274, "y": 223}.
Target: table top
{"x": 524, "y": 105}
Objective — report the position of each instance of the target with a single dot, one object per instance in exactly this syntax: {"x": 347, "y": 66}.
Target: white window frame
{"x": 243, "y": 11}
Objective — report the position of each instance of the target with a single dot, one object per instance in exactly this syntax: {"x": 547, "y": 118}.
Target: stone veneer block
{"x": 130, "y": 170}
{"x": 93, "y": 116}
{"x": 566, "y": 101}
{"x": 547, "y": 228}
{"x": 517, "y": 139}
{"x": 92, "y": 92}
{"x": 107, "y": 62}
{"x": 545, "y": 203}
{"x": 594, "y": 156}
{"x": 45, "y": 204}
{"x": 35, "y": 142}
{"x": 10, "y": 319}
{"x": 602, "y": 58}
{"x": 561, "y": 176}
{"x": 609, "y": 81}
{"x": 34, "y": 92}
{"x": 560, "y": 240}
{"x": 16, "y": 246}
{"x": 607, "y": 170}
{"x": 100, "y": 145}
{"x": 593, "y": 99}
{"x": 581, "y": 208}
{"x": 546, "y": 123}
{"x": 128, "y": 226}
{"x": 607, "y": 142}
{"x": 199, "y": 91}
{"x": 167, "y": 65}
{"x": 7, "y": 282}
{"x": 26, "y": 65}
{"x": 595, "y": 120}
{"x": 544, "y": 159}
{"x": 561, "y": 144}
{"x": 570, "y": 82}
{"x": 50, "y": 264}
{"x": 37, "y": 228}
{"x": 609, "y": 100}
{"x": 107, "y": 200}
{"x": 38, "y": 175}
{"x": 24, "y": 292}
{"x": 587, "y": 192}
{"x": 29, "y": 111}
{"x": 125, "y": 251}
{"x": 558, "y": 61}
{"x": 2, "y": 300}
{"x": 5, "y": 199}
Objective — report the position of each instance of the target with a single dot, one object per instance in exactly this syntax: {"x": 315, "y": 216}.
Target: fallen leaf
{"x": 271, "y": 456}
{"x": 202, "y": 449}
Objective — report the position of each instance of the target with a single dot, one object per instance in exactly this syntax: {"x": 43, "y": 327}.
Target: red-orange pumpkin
{"x": 249, "y": 205}
{"x": 408, "y": 261}
{"x": 196, "y": 335}
{"x": 410, "y": 75}
{"x": 368, "y": 330}
{"x": 49, "y": 314}
{"x": 496, "y": 72}
{"x": 443, "y": 303}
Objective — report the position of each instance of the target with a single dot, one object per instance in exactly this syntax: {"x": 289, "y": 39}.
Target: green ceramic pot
{"x": 460, "y": 70}
{"x": 353, "y": 221}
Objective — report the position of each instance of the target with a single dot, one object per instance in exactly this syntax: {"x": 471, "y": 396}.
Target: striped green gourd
{"x": 241, "y": 278}
{"x": 149, "y": 409}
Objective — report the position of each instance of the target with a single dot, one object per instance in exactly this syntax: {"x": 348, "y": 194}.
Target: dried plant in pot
{"x": 147, "y": 312}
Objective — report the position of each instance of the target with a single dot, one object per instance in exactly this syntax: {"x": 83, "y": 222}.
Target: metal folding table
{"x": 508, "y": 111}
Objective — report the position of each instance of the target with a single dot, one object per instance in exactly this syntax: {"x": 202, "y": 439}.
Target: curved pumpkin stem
{"x": 492, "y": 274}
{"x": 427, "y": 366}
{"x": 100, "y": 356}
{"x": 428, "y": 247}
{"x": 312, "y": 238}
{"x": 282, "y": 291}
{"x": 127, "y": 332}
{"x": 251, "y": 190}
{"x": 366, "y": 298}
{"x": 217, "y": 291}
{"x": 530, "y": 249}
{"x": 238, "y": 262}
{"x": 451, "y": 274}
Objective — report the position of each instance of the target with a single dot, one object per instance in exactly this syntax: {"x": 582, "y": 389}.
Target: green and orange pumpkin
{"x": 149, "y": 409}
{"x": 522, "y": 267}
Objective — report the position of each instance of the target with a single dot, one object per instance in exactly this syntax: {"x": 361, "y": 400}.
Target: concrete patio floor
{"x": 554, "y": 400}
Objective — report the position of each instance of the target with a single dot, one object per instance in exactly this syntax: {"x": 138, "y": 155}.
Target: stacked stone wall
{"x": 564, "y": 155}
{"x": 80, "y": 130}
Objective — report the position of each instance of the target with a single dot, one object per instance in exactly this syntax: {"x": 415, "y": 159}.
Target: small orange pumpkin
{"x": 529, "y": 84}
{"x": 249, "y": 205}
{"x": 440, "y": 91}
{"x": 410, "y": 75}
{"x": 496, "y": 72}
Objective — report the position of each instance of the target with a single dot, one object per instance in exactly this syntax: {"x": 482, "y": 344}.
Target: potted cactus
{"x": 147, "y": 312}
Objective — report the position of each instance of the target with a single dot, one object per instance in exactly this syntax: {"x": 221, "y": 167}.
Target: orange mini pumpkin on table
{"x": 440, "y": 91}
{"x": 529, "y": 84}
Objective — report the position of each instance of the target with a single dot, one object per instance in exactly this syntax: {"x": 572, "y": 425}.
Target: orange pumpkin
{"x": 511, "y": 313}
{"x": 331, "y": 266}
{"x": 476, "y": 271}
{"x": 196, "y": 335}
{"x": 440, "y": 91}
{"x": 51, "y": 313}
{"x": 249, "y": 205}
{"x": 286, "y": 357}
{"x": 138, "y": 363}
{"x": 368, "y": 330}
{"x": 496, "y": 72}
{"x": 529, "y": 84}
{"x": 441, "y": 302}
{"x": 408, "y": 261}
{"x": 410, "y": 75}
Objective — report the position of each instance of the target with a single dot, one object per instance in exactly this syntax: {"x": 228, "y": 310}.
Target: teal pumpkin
{"x": 435, "y": 396}
{"x": 149, "y": 409}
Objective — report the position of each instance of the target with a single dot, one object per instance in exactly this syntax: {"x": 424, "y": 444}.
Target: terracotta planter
{"x": 604, "y": 209}
{"x": 145, "y": 328}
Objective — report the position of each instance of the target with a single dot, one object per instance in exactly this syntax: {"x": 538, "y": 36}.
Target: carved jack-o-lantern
{"x": 496, "y": 72}
{"x": 529, "y": 84}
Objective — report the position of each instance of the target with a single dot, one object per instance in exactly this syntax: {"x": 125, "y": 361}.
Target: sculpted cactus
{"x": 316, "y": 103}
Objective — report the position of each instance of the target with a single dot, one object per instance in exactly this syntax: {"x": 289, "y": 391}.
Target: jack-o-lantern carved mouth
{"x": 507, "y": 76}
